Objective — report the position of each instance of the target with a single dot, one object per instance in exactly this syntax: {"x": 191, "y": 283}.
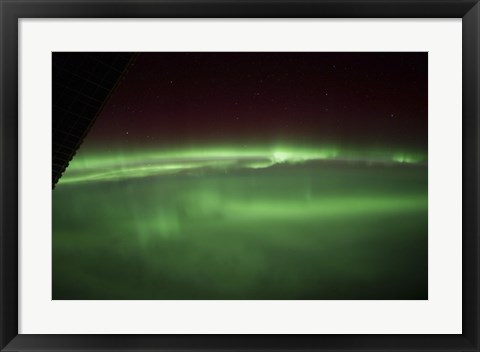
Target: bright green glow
{"x": 136, "y": 164}
{"x": 403, "y": 158}
{"x": 330, "y": 207}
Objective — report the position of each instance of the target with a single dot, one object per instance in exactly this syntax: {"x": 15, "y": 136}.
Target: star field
{"x": 370, "y": 99}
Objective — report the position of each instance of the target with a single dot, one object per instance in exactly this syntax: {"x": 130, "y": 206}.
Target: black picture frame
{"x": 12, "y": 10}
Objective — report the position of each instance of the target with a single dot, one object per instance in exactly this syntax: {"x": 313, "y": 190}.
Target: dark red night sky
{"x": 343, "y": 98}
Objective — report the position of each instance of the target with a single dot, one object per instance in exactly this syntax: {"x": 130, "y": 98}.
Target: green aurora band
{"x": 111, "y": 166}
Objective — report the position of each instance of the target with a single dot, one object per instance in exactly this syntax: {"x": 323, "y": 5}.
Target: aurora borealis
{"x": 251, "y": 176}
{"x": 152, "y": 163}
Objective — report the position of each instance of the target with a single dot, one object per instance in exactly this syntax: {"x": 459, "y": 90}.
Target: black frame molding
{"x": 12, "y": 10}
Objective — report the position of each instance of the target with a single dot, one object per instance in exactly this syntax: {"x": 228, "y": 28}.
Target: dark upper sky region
{"x": 377, "y": 99}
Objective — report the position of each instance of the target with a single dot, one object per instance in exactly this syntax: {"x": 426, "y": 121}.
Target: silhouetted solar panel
{"x": 81, "y": 84}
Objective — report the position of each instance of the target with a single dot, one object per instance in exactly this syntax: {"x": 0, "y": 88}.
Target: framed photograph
{"x": 262, "y": 175}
